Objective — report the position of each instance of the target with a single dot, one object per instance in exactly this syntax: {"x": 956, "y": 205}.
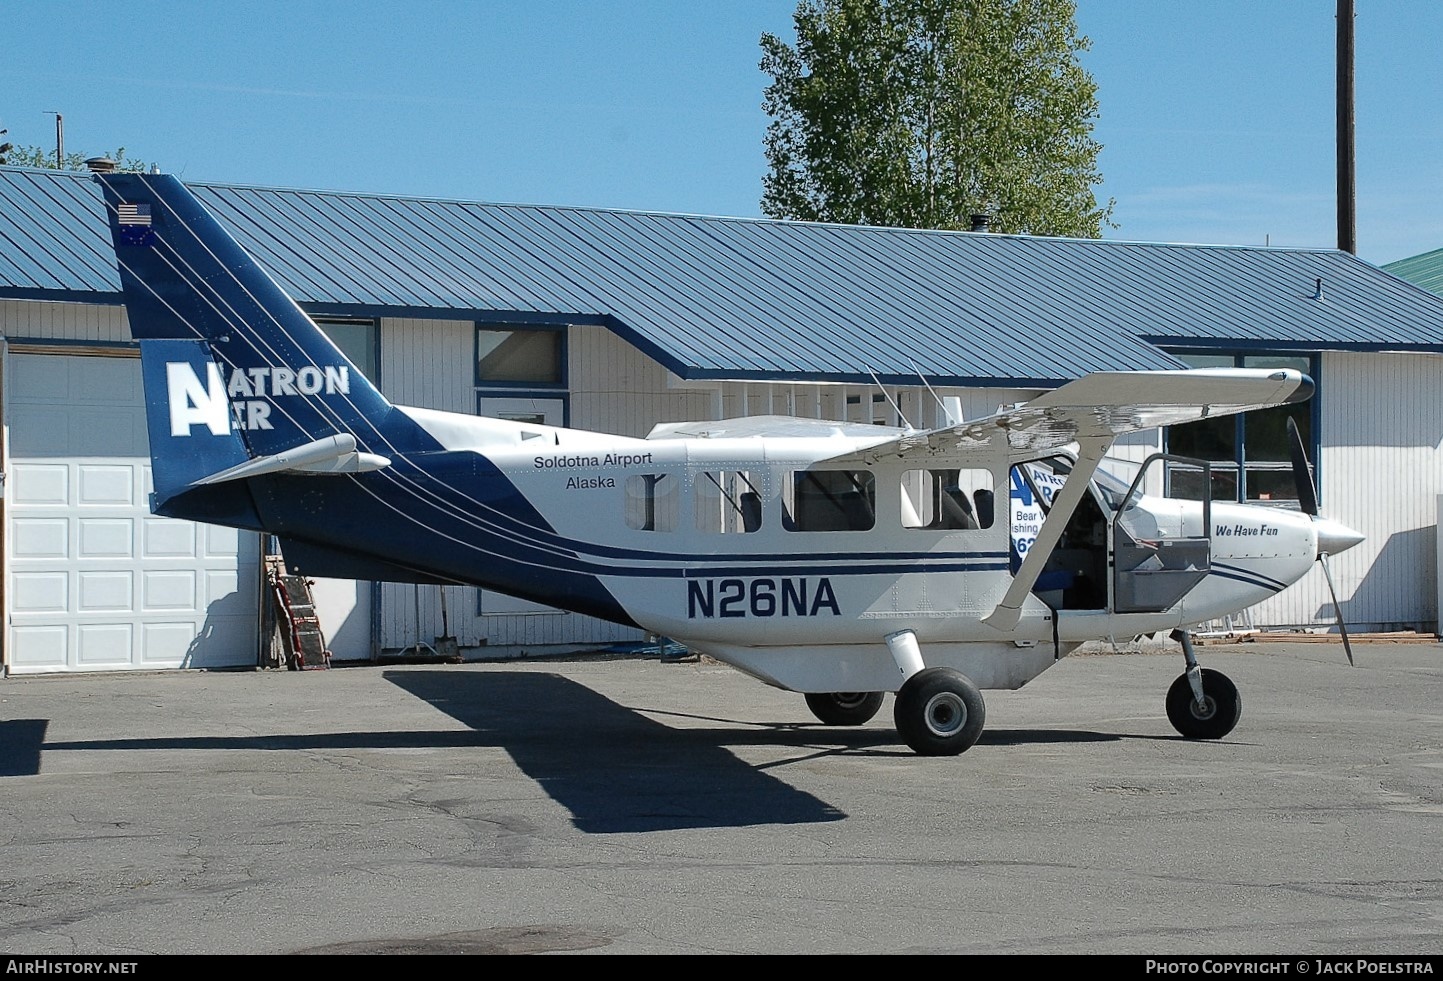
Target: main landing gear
{"x": 844, "y": 708}
{"x": 939, "y": 711}
{"x": 1202, "y": 703}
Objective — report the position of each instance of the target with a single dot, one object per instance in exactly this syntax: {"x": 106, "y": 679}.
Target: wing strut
{"x": 1009, "y": 609}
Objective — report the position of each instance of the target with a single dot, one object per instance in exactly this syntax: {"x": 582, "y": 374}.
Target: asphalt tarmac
{"x": 638, "y": 807}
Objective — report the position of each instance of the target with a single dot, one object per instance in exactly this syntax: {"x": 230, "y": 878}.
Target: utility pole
{"x": 1347, "y": 178}
{"x": 59, "y": 139}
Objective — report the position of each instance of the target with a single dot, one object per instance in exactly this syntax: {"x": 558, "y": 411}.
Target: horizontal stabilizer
{"x": 334, "y": 454}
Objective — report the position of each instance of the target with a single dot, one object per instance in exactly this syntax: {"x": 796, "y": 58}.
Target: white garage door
{"x": 95, "y": 582}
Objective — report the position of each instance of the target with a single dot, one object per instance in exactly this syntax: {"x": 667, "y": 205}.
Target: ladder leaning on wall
{"x": 294, "y": 633}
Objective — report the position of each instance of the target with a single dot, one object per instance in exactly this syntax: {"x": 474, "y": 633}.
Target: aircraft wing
{"x": 769, "y": 426}
{"x": 1103, "y": 405}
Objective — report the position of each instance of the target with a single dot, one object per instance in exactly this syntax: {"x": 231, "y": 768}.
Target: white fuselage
{"x": 711, "y": 546}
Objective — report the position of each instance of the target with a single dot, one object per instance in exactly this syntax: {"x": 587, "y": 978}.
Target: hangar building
{"x": 615, "y": 321}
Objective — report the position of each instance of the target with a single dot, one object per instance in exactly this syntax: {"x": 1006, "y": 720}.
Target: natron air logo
{"x": 241, "y": 402}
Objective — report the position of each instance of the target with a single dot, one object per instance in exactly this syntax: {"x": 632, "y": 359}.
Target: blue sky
{"x": 1217, "y": 118}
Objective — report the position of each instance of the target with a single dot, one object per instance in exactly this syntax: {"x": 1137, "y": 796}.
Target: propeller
{"x": 1329, "y": 540}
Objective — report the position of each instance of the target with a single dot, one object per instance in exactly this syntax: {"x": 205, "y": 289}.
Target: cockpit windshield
{"x": 1048, "y": 475}
{"x": 1111, "y": 488}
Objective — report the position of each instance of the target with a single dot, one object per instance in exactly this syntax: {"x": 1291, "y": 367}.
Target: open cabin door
{"x": 1158, "y": 558}
{"x": 1112, "y": 555}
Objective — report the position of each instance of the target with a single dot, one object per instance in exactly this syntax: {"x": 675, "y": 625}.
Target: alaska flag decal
{"x": 135, "y": 224}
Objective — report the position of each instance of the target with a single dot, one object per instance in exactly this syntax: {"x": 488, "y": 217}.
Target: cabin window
{"x": 728, "y": 502}
{"x": 525, "y": 356}
{"x": 947, "y": 500}
{"x": 651, "y": 502}
{"x": 1249, "y": 453}
{"x": 831, "y": 500}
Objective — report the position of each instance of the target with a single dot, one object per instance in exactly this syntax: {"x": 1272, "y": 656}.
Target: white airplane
{"x": 837, "y": 560}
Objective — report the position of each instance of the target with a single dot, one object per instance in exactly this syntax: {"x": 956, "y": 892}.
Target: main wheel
{"x": 1221, "y": 709}
{"x": 844, "y": 708}
{"x": 939, "y": 712}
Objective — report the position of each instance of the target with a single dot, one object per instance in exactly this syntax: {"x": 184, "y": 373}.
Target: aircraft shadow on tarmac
{"x": 20, "y": 743}
{"x": 614, "y": 768}
{"x": 617, "y": 770}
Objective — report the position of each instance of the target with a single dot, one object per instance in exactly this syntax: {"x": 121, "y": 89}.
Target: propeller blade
{"x": 1338, "y": 610}
{"x": 1307, "y": 493}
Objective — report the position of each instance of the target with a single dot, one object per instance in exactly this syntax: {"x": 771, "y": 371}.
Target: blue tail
{"x": 234, "y": 369}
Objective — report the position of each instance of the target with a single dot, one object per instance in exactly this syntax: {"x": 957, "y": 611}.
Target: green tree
{"x": 922, "y": 113}
{"x": 38, "y": 156}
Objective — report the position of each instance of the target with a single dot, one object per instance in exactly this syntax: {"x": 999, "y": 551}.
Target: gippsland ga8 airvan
{"x": 837, "y": 560}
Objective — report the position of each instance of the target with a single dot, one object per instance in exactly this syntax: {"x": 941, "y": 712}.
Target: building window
{"x": 359, "y": 340}
{"x": 1250, "y": 455}
{"x": 527, "y": 357}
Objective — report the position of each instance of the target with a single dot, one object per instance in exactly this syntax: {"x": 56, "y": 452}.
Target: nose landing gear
{"x": 1202, "y": 703}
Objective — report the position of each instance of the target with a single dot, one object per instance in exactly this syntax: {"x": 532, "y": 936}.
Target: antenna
{"x": 946, "y": 409}
{"x": 895, "y": 407}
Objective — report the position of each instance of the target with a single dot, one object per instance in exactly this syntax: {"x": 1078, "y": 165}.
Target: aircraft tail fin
{"x": 235, "y": 370}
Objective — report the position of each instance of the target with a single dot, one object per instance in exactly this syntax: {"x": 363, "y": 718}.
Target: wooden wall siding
{"x": 820, "y": 401}
{"x": 617, "y": 389}
{"x": 1382, "y": 423}
{"x": 63, "y": 321}
{"x": 398, "y": 622}
{"x": 429, "y": 363}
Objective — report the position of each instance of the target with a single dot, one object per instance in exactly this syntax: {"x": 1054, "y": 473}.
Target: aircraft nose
{"x": 1334, "y": 536}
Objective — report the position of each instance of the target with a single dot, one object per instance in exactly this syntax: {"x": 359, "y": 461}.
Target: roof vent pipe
{"x": 1318, "y": 288}
{"x": 980, "y": 223}
{"x": 100, "y": 165}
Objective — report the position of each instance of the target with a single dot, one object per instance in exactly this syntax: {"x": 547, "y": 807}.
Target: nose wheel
{"x": 1211, "y": 717}
{"x": 1202, "y": 703}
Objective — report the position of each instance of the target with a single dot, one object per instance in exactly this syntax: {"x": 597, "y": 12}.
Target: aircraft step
{"x": 296, "y": 636}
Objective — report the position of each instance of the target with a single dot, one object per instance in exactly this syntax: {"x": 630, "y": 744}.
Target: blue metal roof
{"x": 752, "y": 298}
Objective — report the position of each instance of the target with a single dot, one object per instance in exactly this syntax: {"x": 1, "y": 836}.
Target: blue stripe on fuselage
{"x": 457, "y": 515}
{"x": 1238, "y": 574}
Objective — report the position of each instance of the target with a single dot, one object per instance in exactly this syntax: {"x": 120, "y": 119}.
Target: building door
{"x": 94, "y": 581}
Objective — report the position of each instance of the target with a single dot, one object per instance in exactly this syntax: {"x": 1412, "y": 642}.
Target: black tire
{"x": 939, "y": 712}
{"x": 844, "y": 708}
{"x": 1222, "y": 706}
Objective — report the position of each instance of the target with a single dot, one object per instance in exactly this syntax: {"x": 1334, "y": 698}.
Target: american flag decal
{"x": 134, "y": 214}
